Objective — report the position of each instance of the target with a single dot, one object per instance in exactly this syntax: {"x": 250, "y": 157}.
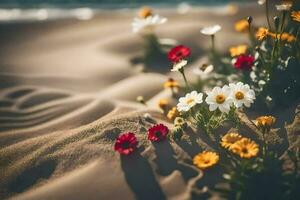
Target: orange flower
{"x": 265, "y": 121}
{"x": 284, "y": 37}
{"x": 296, "y": 16}
{"x": 230, "y": 139}
{"x": 163, "y": 103}
{"x": 145, "y": 12}
{"x": 262, "y": 33}
{"x": 242, "y": 25}
{"x": 171, "y": 83}
{"x": 238, "y": 50}
{"x": 245, "y": 148}
{"x": 206, "y": 159}
{"x": 172, "y": 114}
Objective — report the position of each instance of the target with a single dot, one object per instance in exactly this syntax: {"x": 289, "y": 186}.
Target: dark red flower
{"x": 244, "y": 62}
{"x": 178, "y": 53}
{"x": 126, "y": 143}
{"x": 157, "y": 133}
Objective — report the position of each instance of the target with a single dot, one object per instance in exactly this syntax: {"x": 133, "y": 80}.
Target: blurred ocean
{"x": 38, "y": 10}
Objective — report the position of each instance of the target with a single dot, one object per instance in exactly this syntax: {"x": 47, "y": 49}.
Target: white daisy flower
{"x": 211, "y": 30}
{"x": 241, "y": 94}
{"x": 261, "y": 2}
{"x": 219, "y": 98}
{"x": 284, "y": 7}
{"x": 203, "y": 70}
{"x": 189, "y": 101}
{"x": 147, "y": 24}
{"x": 178, "y": 66}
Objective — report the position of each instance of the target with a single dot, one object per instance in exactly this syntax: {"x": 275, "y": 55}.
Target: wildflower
{"x": 157, "y": 133}
{"x": 140, "y": 99}
{"x": 179, "y": 53}
{"x": 265, "y": 122}
{"x": 189, "y": 101}
{"x": 245, "y": 148}
{"x": 242, "y": 25}
{"x": 219, "y": 98}
{"x": 171, "y": 83}
{"x": 286, "y": 6}
{"x": 211, "y": 30}
{"x": 179, "y": 66}
{"x": 126, "y": 143}
{"x": 296, "y": 16}
{"x": 206, "y": 159}
{"x": 179, "y": 121}
{"x": 261, "y": 2}
{"x": 145, "y": 12}
{"x": 229, "y": 139}
{"x": 244, "y": 62}
{"x": 241, "y": 94}
{"x": 238, "y": 50}
{"x": 163, "y": 103}
{"x": 284, "y": 37}
{"x": 262, "y": 33}
{"x": 173, "y": 113}
{"x": 146, "y": 21}
{"x": 203, "y": 70}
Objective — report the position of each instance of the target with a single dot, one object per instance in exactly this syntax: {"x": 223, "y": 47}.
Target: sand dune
{"x": 68, "y": 89}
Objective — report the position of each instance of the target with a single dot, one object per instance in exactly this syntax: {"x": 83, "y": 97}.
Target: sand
{"x": 68, "y": 89}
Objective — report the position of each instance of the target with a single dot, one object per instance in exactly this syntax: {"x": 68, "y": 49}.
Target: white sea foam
{"x": 16, "y": 14}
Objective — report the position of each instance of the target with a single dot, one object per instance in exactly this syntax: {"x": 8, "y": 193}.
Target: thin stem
{"x": 213, "y": 44}
{"x": 184, "y": 78}
{"x": 267, "y": 14}
{"x": 281, "y": 29}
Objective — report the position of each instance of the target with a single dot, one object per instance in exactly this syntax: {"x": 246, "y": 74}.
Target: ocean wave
{"x": 41, "y": 14}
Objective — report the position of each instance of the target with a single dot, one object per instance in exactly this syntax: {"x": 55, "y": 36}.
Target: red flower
{"x": 178, "y": 53}
{"x": 126, "y": 143}
{"x": 244, "y": 62}
{"x": 157, "y": 133}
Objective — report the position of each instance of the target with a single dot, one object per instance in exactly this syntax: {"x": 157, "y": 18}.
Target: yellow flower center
{"x": 245, "y": 150}
{"x": 239, "y": 95}
{"x": 220, "y": 98}
{"x": 190, "y": 101}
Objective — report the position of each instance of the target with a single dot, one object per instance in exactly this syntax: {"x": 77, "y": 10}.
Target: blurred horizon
{"x": 106, "y": 3}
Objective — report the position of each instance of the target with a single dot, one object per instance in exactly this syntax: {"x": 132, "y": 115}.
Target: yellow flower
{"x": 229, "y": 139}
{"x": 179, "y": 121}
{"x": 163, "y": 103}
{"x": 206, "y": 159}
{"x": 173, "y": 113}
{"x": 238, "y": 50}
{"x": 262, "y": 33}
{"x": 171, "y": 83}
{"x": 145, "y": 12}
{"x": 265, "y": 121}
{"x": 245, "y": 148}
{"x": 242, "y": 25}
{"x": 296, "y": 16}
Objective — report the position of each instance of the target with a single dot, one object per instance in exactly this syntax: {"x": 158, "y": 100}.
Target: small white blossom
{"x": 147, "y": 24}
{"x": 211, "y": 30}
{"x": 284, "y": 7}
{"x": 241, "y": 94}
{"x": 189, "y": 101}
{"x": 261, "y": 2}
{"x": 178, "y": 66}
{"x": 219, "y": 98}
{"x": 203, "y": 71}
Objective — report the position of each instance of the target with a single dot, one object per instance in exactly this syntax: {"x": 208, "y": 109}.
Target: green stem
{"x": 213, "y": 44}
{"x": 267, "y": 14}
{"x": 184, "y": 78}
{"x": 281, "y": 29}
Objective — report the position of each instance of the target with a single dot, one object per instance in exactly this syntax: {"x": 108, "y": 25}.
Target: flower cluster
{"x": 127, "y": 143}
{"x": 224, "y": 98}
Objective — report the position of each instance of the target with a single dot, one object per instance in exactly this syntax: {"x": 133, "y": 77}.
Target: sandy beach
{"x": 68, "y": 89}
